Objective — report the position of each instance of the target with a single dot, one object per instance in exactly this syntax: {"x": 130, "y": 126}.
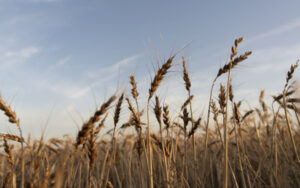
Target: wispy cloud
{"x": 81, "y": 92}
{"x": 61, "y": 62}
{"x": 64, "y": 60}
{"x": 125, "y": 62}
{"x": 23, "y": 53}
{"x": 68, "y": 90}
{"x": 12, "y": 58}
{"x": 276, "y": 58}
{"x": 278, "y": 30}
{"x": 113, "y": 68}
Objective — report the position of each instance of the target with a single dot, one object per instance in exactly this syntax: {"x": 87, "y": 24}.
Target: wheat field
{"x": 233, "y": 146}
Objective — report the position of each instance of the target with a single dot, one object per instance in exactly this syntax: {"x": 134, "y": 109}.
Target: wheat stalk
{"x": 12, "y": 118}
{"x": 289, "y": 77}
{"x": 188, "y": 85}
{"x": 154, "y": 85}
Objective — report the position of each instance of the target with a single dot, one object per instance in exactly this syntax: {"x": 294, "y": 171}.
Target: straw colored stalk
{"x": 135, "y": 119}
{"x": 7, "y": 149}
{"x": 91, "y": 154}
{"x": 185, "y": 119}
{"x": 188, "y": 85}
{"x": 289, "y": 77}
{"x": 12, "y": 118}
{"x": 233, "y": 62}
{"x": 117, "y": 114}
{"x": 238, "y": 140}
{"x": 158, "y": 112}
{"x": 116, "y": 120}
{"x": 225, "y": 69}
{"x": 154, "y": 85}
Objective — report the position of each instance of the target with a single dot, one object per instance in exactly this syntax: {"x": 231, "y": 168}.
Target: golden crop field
{"x": 231, "y": 146}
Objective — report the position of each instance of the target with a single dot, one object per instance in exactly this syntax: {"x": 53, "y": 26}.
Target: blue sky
{"x": 60, "y": 59}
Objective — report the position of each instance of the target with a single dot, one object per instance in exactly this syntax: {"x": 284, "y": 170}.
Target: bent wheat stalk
{"x": 225, "y": 69}
{"x": 188, "y": 85}
{"x": 154, "y": 85}
{"x": 289, "y": 77}
{"x": 12, "y": 118}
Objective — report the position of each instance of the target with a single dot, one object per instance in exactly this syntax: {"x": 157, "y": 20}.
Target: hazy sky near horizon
{"x": 60, "y": 59}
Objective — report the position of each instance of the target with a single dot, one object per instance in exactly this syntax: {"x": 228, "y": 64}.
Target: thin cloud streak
{"x": 11, "y": 59}
{"x": 276, "y": 59}
{"x": 125, "y": 62}
{"x": 277, "y": 31}
{"x": 61, "y": 62}
{"x": 64, "y": 60}
{"x": 23, "y": 53}
{"x": 69, "y": 91}
{"x": 113, "y": 68}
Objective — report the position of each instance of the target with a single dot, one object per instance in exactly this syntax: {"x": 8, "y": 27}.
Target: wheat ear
{"x": 84, "y": 132}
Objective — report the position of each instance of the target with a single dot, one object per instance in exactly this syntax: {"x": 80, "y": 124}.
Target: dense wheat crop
{"x": 233, "y": 146}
